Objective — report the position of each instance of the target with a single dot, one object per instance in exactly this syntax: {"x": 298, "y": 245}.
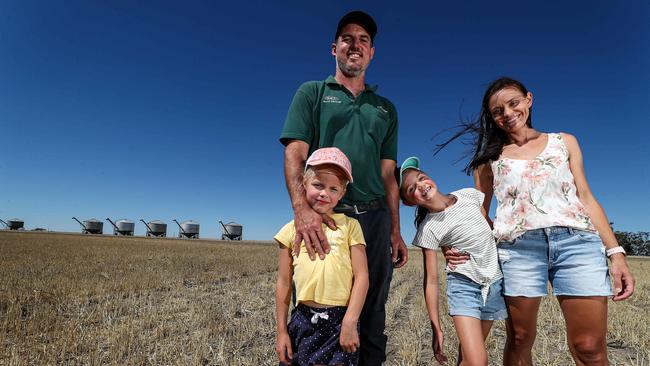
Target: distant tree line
{"x": 634, "y": 243}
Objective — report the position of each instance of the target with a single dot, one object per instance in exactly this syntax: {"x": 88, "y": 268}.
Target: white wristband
{"x": 615, "y": 250}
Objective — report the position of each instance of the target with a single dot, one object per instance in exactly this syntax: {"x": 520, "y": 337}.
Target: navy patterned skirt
{"x": 315, "y": 335}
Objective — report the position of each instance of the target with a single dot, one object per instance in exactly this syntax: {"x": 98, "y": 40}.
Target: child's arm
{"x": 282, "y": 298}
{"x": 453, "y": 256}
{"x": 487, "y": 218}
{"x": 349, "y": 338}
{"x": 431, "y": 294}
{"x": 484, "y": 182}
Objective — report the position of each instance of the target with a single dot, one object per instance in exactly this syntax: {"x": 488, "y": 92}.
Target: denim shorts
{"x": 465, "y": 299}
{"x": 572, "y": 260}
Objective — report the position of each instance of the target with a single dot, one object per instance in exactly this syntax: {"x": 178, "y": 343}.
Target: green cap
{"x": 410, "y": 163}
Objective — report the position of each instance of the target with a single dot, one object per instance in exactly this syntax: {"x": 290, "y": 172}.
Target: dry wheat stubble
{"x": 107, "y": 300}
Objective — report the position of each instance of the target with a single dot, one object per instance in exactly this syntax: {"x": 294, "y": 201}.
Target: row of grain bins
{"x": 13, "y": 224}
{"x": 187, "y": 229}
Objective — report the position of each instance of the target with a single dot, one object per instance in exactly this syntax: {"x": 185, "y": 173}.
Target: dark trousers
{"x": 376, "y": 227}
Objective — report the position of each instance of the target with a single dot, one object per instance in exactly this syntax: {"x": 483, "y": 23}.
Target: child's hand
{"x": 283, "y": 348}
{"x": 436, "y": 344}
{"x": 349, "y": 338}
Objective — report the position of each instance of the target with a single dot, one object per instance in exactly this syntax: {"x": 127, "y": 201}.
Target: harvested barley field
{"x": 75, "y": 299}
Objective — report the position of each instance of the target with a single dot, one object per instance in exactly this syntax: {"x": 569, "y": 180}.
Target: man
{"x": 343, "y": 111}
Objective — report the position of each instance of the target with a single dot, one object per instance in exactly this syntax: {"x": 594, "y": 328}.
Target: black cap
{"x": 360, "y": 18}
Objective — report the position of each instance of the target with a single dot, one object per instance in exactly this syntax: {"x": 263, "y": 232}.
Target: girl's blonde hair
{"x": 311, "y": 172}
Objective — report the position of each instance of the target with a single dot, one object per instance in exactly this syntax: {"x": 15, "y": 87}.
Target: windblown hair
{"x": 487, "y": 139}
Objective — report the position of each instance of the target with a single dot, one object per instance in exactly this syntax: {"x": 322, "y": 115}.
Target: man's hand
{"x": 308, "y": 228}
{"x": 453, "y": 257}
{"x": 400, "y": 253}
{"x": 283, "y": 348}
{"x": 623, "y": 279}
{"x": 306, "y": 220}
{"x": 349, "y": 338}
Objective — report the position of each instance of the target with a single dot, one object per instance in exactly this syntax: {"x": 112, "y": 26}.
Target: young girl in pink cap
{"x": 330, "y": 292}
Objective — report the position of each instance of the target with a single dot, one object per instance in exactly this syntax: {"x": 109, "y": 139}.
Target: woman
{"x": 548, "y": 226}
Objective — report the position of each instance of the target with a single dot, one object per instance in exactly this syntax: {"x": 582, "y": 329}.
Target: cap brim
{"x": 348, "y": 175}
{"x": 361, "y": 18}
{"x": 410, "y": 163}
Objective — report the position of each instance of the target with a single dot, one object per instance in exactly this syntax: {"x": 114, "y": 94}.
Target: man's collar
{"x": 332, "y": 80}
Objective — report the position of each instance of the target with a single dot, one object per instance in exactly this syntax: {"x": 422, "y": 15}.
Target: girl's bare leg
{"x": 486, "y": 325}
{"x": 472, "y": 346}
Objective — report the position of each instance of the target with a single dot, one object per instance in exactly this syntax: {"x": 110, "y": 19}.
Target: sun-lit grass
{"x": 73, "y": 299}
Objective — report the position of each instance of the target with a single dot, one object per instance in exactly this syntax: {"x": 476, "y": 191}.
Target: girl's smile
{"x": 323, "y": 191}
{"x": 417, "y": 188}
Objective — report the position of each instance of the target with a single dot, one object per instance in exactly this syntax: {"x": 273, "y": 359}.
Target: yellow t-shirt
{"x": 327, "y": 281}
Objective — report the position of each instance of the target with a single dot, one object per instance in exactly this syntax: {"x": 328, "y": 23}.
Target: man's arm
{"x": 399, "y": 250}
{"x": 308, "y": 222}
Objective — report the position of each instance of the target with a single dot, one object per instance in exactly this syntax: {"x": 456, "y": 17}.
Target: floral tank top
{"x": 537, "y": 193}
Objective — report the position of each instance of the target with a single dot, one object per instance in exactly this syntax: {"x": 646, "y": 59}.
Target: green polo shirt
{"x": 325, "y": 113}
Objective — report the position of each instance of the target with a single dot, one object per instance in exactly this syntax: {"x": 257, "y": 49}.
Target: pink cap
{"x": 331, "y": 155}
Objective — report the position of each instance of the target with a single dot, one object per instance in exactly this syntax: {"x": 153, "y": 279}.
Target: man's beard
{"x": 349, "y": 70}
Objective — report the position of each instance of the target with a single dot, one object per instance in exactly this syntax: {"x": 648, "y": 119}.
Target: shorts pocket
{"x": 507, "y": 243}
{"x": 588, "y": 235}
{"x": 452, "y": 277}
{"x": 503, "y": 250}
{"x": 504, "y": 255}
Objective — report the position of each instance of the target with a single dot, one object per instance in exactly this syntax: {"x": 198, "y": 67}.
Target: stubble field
{"x": 94, "y": 300}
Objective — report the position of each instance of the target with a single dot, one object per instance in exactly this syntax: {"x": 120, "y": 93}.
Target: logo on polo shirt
{"x": 382, "y": 109}
{"x": 331, "y": 99}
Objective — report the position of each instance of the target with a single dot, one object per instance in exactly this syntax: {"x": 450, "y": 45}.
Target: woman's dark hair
{"x": 486, "y": 138}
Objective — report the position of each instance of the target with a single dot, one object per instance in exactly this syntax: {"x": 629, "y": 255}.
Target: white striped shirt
{"x": 463, "y": 226}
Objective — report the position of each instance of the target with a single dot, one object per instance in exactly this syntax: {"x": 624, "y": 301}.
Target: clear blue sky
{"x": 162, "y": 110}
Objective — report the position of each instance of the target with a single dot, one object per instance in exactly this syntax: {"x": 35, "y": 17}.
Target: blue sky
{"x": 162, "y": 110}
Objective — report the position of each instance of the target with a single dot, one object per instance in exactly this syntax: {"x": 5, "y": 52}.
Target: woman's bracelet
{"x": 612, "y": 251}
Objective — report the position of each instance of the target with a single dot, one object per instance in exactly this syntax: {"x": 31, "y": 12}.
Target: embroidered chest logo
{"x": 382, "y": 109}
{"x": 331, "y": 99}
{"x": 333, "y": 238}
